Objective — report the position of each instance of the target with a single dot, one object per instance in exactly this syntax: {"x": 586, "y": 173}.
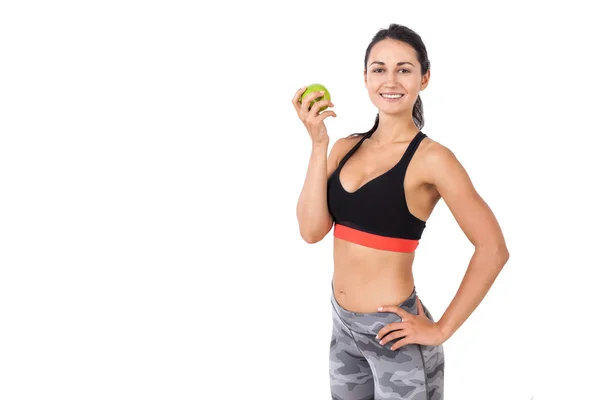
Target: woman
{"x": 378, "y": 189}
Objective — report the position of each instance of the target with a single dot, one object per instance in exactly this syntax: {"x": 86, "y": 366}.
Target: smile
{"x": 391, "y": 96}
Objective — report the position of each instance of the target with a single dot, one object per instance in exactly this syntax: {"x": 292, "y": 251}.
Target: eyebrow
{"x": 398, "y": 64}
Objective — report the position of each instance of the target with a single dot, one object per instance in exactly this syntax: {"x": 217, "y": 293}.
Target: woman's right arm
{"x": 314, "y": 220}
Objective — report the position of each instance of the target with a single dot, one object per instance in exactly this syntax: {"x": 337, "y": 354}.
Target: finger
{"x": 296, "y": 99}
{"x": 389, "y": 328}
{"x": 394, "y": 309}
{"x": 325, "y": 114}
{"x": 399, "y": 334}
{"x": 309, "y": 98}
{"x": 401, "y": 343}
{"x": 316, "y": 108}
{"x": 318, "y": 95}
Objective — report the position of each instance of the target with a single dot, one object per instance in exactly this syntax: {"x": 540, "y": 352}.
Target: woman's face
{"x": 393, "y": 77}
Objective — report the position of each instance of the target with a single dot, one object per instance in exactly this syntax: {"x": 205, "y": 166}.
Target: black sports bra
{"x": 376, "y": 214}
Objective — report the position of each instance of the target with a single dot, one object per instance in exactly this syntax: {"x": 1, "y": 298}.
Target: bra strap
{"x": 410, "y": 151}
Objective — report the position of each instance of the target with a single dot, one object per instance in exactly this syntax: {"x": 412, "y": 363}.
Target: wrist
{"x": 445, "y": 333}
{"x": 317, "y": 144}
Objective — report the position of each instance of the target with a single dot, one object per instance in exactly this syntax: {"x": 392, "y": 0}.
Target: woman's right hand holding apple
{"x": 312, "y": 119}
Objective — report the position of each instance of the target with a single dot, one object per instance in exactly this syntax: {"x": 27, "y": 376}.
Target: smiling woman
{"x": 377, "y": 190}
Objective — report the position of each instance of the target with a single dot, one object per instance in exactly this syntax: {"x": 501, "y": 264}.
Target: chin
{"x": 392, "y": 108}
{"x": 397, "y": 111}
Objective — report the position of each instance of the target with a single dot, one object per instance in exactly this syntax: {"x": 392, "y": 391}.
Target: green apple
{"x": 315, "y": 87}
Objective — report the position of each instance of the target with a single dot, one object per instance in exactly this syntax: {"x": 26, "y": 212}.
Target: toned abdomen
{"x": 365, "y": 279}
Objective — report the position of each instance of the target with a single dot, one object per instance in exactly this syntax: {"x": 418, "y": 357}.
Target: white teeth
{"x": 391, "y": 96}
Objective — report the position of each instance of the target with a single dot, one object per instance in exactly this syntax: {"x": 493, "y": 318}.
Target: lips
{"x": 392, "y": 96}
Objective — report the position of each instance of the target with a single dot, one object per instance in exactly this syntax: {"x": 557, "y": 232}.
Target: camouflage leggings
{"x": 360, "y": 368}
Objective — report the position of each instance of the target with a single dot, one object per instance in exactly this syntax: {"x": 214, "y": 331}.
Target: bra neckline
{"x": 378, "y": 177}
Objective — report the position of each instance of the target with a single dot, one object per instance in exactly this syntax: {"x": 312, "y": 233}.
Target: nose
{"x": 391, "y": 78}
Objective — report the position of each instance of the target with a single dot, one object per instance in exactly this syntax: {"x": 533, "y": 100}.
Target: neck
{"x": 394, "y": 128}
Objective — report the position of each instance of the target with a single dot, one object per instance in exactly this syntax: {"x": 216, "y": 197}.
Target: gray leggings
{"x": 360, "y": 368}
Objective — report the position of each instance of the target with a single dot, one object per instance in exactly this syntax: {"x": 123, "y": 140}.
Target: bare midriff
{"x": 365, "y": 278}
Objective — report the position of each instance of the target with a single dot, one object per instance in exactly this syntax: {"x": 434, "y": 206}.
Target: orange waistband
{"x": 374, "y": 241}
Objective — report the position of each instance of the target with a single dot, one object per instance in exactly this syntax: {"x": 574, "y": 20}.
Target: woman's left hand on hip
{"x": 417, "y": 329}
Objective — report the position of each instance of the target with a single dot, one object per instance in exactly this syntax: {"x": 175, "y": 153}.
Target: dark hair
{"x": 410, "y": 37}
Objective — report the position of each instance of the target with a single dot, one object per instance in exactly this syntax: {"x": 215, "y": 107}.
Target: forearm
{"x": 484, "y": 267}
{"x": 312, "y": 212}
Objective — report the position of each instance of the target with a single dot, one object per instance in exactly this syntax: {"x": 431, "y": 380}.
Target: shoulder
{"x": 349, "y": 140}
{"x": 343, "y": 145}
{"x": 441, "y": 167}
{"x": 434, "y": 152}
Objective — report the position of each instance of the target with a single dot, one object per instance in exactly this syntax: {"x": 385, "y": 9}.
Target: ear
{"x": 365, "y": 76}
{"x": 425, "y": 79}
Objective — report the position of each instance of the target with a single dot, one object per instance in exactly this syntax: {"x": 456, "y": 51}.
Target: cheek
{"x": 372, "y": 89}
{"x": 414, "y": 84}
{"x": 373, "y": 85}
{"x": 374, "y": 93}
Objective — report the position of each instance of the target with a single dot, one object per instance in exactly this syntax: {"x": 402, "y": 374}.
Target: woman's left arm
{"x": 479, "y": 224}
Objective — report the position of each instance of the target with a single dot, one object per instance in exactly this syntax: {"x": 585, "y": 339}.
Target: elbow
{"x": 506, "y": 254}
{"x": 497, "y": 254}
{"x": 313, "y": 233}
{"x": 311, "y": 238}
{"x": 502, "y": 252}
{"x": 502, "y": 255}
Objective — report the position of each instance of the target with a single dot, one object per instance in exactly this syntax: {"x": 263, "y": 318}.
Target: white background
{"x": 150, "y": 164}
